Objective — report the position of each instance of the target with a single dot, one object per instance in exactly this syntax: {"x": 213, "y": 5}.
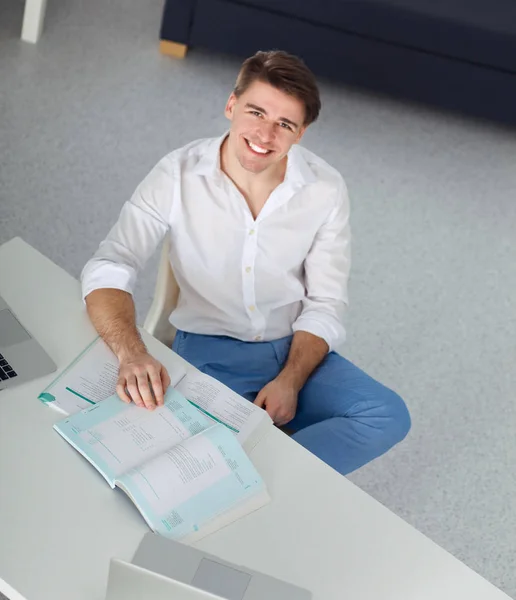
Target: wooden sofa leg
{"x": 173, "y": 49}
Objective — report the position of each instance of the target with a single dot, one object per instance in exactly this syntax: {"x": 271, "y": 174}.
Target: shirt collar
{"x": 209, "y": 163}
{"x": 298, "y": 170}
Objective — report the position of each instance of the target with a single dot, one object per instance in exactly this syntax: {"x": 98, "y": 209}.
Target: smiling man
{"x": 260, "y": 247}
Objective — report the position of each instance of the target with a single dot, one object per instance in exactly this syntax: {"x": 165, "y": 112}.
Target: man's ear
{"x": 230, "y": 105}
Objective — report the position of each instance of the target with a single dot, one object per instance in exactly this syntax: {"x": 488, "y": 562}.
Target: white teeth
{"x": 258, "y": 149}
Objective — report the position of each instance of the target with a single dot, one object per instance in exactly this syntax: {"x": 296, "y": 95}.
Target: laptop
{"x": 21, "y": 357}
{"x": 167, "y": 569}
{"x": 129, "y": 582}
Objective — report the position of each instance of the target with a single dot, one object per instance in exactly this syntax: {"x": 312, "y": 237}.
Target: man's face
{"x": 265, "y": 122}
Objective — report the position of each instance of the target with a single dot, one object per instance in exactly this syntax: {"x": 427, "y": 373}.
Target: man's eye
{"x": 286, "y": 126}
{"x": 256, "y": 113}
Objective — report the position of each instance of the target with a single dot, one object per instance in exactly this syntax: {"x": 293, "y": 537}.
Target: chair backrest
{"x": 166, "y": 294}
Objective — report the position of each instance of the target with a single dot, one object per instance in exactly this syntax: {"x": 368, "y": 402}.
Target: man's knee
{"x": 399, "y": 421}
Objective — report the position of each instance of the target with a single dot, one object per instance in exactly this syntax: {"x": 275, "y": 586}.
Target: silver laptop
{"x": 193, "y": 574}
{"x": 129, "y": 582}
{"x": 21, "y": 357}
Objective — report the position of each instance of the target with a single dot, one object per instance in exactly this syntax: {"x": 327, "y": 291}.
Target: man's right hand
{"x": 142, "y": 380}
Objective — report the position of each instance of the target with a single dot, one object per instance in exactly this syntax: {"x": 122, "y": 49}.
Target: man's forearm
{"x": 306, "y": 353}
{"x": 113, "y": 315}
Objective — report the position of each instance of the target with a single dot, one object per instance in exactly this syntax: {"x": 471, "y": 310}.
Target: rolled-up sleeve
{"x": 142, "y": 224}
{"x": 327, "y": 268}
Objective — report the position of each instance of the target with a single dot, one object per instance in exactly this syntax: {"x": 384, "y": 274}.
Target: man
{"x": 260, "y": 247}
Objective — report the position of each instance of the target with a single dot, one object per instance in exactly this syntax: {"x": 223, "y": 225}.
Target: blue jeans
{"x": 344, "y": 417}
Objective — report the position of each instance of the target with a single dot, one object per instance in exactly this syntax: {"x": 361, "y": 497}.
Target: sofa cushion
{"x": 478, "y": 31}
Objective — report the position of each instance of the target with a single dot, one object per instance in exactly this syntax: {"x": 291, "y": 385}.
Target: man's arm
{"x": 141, "y": 378}
{"x": 306, "y": 353}
{"x": 318, "y": 328}
{"x": 326, "y": 274}
{"x": 112, "y": 313}
{"x": 109, "y": 278}
{"x": 279, "y": 397}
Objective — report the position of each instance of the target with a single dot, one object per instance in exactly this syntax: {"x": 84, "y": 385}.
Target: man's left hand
{"x": 279, "y": 399}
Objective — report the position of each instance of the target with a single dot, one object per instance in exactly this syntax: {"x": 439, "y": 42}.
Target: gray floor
{"x": 87, "y": 112}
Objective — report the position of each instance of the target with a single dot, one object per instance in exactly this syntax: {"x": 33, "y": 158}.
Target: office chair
{"x": 166, "y": 294}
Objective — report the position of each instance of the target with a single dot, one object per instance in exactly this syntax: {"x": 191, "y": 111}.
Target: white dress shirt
{"x": 249, "y": 279}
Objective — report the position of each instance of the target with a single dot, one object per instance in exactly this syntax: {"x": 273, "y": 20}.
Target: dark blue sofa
{"x": 458, "y": 54}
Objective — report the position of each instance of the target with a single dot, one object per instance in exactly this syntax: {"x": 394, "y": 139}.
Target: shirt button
{"x": 251, "y": 231}
{"x": 257, "y": 338}
{"x": 248, "y": 269}
{"x": 252, "y": 307}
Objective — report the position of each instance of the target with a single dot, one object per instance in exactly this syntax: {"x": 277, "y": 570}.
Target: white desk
{"x": 60, "y": 523}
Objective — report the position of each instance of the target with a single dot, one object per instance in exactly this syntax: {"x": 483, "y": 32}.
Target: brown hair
{"x": 285, "y": 72}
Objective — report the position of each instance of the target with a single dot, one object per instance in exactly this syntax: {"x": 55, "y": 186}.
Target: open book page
{"x": 246, "y": 420}
{"x": 115, "y": 436}
{"x": 183, "y": 489}
{"x": 91, "y": 377}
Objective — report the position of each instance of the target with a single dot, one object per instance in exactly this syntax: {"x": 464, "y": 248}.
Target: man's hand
{"x": 279, "y": 398}
{"x": 142, "y": 379}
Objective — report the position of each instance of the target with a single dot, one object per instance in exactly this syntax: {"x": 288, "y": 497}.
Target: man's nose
{"x": 266, "y": 132}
